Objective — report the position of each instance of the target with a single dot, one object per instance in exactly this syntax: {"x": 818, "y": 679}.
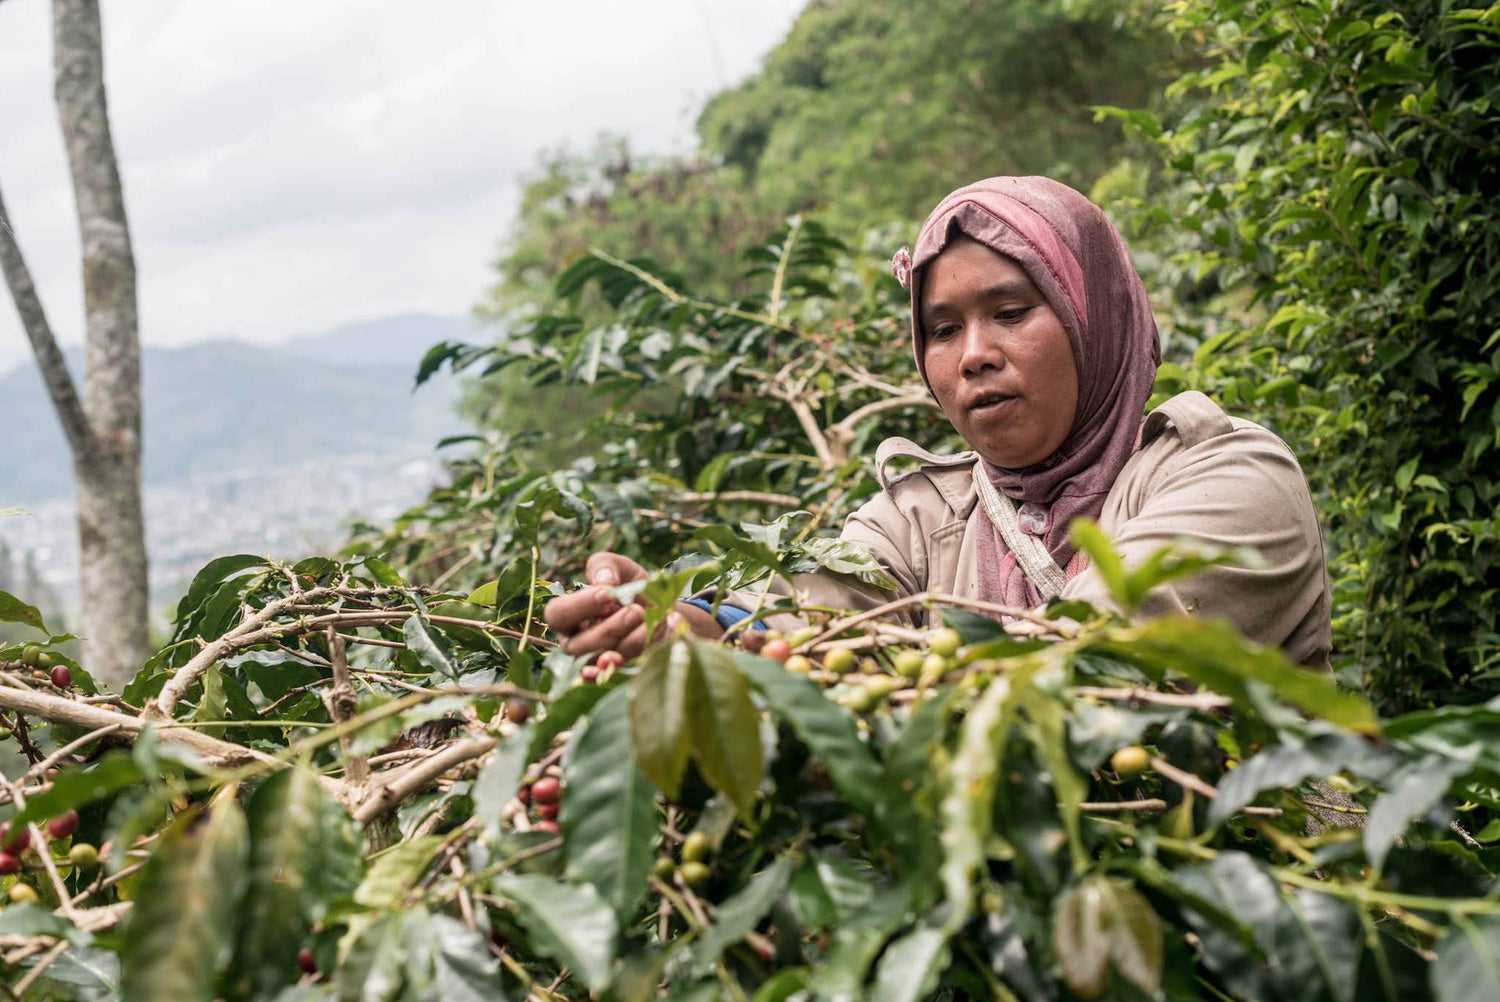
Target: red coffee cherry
{"x": 16, "y": 843}
{"x": 777, "y": 649}
{"x": 306, "y": 962}
{"x": 8, "y": 864}
{"x": 546, "y": 790}
{"x": 548, "y": 812}
{"x": 62, "y": 677}
{"x": 609, "y": 659}
{"x": 63, "y": 825}
{"x": 550, "y": 827}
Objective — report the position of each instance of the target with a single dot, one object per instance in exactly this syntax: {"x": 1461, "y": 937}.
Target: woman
{"x": 1033, "y": 331}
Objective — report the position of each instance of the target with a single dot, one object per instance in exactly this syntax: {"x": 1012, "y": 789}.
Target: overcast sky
{"x": 290, "y": 165}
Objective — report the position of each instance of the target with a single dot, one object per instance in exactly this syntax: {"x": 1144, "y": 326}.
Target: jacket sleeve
{"x": 1239, "y": 489}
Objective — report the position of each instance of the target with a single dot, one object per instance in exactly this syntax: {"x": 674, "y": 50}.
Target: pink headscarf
{"x": 1075, "y": 257}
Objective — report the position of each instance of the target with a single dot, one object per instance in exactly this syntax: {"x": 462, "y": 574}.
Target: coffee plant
{"x": 334, "y": 785}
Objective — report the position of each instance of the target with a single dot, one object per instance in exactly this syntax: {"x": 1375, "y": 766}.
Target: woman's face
{"x": 998, "y": 359}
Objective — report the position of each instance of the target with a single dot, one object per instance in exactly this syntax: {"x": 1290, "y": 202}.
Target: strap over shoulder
{"x": 905, "y": 448}
{"x": 1196, "y": 418}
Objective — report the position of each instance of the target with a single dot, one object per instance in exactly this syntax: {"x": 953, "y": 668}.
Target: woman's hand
{"x": 590, "y": 619}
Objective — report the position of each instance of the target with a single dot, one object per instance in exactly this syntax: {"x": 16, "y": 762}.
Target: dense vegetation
{"x": 1338, "y": 162}
{"x": 375, "y": 778}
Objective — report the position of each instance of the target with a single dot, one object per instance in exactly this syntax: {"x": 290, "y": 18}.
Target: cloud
{"x": 289, "y": 165}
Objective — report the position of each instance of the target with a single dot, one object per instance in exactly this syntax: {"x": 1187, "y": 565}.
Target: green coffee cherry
{"x": 945, "y": 642}
{"x": 696, "y": 875}
{"x": 909, "y": 664}
{"x": 696, "y": 848}
{"x": 840, "y": 660}
{"x": 664, "y": 867}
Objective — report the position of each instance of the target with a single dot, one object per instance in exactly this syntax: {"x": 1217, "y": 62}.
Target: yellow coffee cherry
{"x": 945, "y": 642}
{"x": 840, "y": 660}
{"x": 22, "y": 893}
{"x": 798, "y": 665}
{"x": 1130, "y": 761}
{"x": 909, "y": 664}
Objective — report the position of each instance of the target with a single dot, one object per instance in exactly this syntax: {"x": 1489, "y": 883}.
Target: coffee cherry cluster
{"x": 16, "y": 842}
{"x": 544, "y": 797}
{"x": 43, "y": 668}
{"x": 695, "y": 871}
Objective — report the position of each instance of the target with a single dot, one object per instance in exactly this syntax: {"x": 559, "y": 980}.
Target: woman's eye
{"x": 944, "y": 333}
{"x": 1012, "y": 316}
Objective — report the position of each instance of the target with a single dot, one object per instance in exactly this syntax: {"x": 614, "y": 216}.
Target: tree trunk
{"x": 111, "y": 531}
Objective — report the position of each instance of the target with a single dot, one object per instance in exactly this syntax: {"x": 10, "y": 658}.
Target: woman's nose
{"x": 981, "y": 350}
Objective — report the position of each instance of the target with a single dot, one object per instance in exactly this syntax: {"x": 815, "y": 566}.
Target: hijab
{"x": 1077, "y": 260}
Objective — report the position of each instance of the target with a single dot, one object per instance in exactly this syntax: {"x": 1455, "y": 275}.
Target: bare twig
{"x": 1192, "y": 700}
{"x": 418, "y": 775}
{"x": 60, "y": 709}
{"x": 39, "y": 770}
{"x": 1150, "y": 805}
{"x": 342, "y": 705}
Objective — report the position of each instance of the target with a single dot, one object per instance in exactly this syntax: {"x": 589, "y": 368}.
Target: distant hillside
{"x": 225, "y": 405}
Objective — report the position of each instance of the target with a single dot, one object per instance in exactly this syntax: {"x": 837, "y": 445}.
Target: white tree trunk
{"x": 111, "y": 531}
{"x": 104, "y": 429}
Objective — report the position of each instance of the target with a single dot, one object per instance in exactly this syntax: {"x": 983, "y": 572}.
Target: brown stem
{"x": 418, "y": 775}
{"x": 59, "y": 709}
{"x": 342, "y": 705}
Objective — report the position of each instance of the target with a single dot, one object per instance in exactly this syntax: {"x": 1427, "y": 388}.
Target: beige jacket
{"x": 1198, "y": 473}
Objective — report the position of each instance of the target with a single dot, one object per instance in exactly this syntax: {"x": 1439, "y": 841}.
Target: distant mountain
{"x": 224, "y": 405}
{"x": 399, "y": 340}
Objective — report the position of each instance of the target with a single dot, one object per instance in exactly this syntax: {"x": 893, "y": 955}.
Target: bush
{"x": 338, "y": 786}
{"x": 1339, "y": 162}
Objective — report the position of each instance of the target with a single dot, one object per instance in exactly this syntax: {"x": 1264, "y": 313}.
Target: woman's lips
{"x": 992, "y": 407}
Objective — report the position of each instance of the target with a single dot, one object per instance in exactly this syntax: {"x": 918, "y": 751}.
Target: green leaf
{"x": 1468, "y": 960}
{"x": 967, "y": 808}
{"x": 825, "y": 727}
{"x": 569, "y": 923}
{"x": 1212, "y": 653}
{"x": 499, "y": 781}
{"x": 844, "y": 556}
{"x": 911, "y": 966}
{"x": 207, "y": 581}
{"x": 28, "y": 919}
{"x": 609, "y": 815}
{"x": 93, "y": 972}
{"x": 1104, "y": 922}
{"x": 76, "y": 787}
{"x": 486, "y": 594}
{"x": 740, "y": 914}
{"x": 659, "y": 729}
{"x": 184, "y": 910}
{"x": 372, "y": 968}
{"x": 1405, "y": 472}
{"x": 448, "y": 961}
{"x": 1285, "y": 766}
{"x": 562, "y": 713}
{"x": 13, "y": 610}
{"x": 303, "y": 855}
{"x": 1411, "y": 793}
{"x": 395, "y": 872}
{"x": 725, "y": 727}
{"x": 419, "y": 641}
{"x": 1088, "y": 537}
